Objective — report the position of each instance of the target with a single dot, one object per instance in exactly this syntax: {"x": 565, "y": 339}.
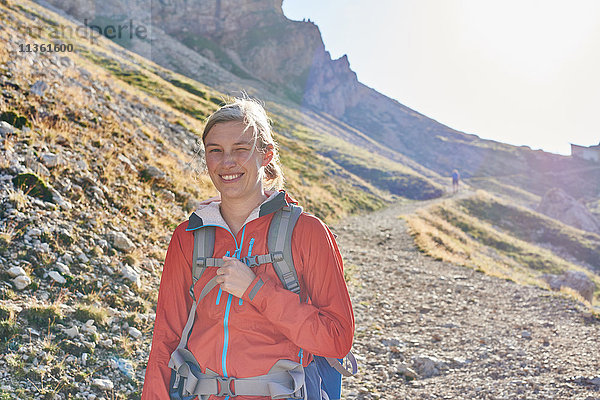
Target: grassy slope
{"x": 173, "y": 91}
{"x": 503, "y": 239}
{"x": 504, "y": 190}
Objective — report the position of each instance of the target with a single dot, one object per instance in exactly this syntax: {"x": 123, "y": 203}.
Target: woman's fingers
{"x": 234, "y": 276}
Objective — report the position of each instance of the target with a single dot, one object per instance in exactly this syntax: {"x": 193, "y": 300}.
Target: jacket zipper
{"x": 237, "y": 255}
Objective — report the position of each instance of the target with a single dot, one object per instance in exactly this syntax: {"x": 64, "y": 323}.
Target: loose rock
{"x": 57, "y": 277}
{"x": 135, "y": 333}
{"x": 38, "y": 88}
{"x": 103, "y": 384}
{"x": 131, "y": 274}
{"x": 121, "y": 241}
{"x": 16, "y": 271}
{"x": 21, "y": 282}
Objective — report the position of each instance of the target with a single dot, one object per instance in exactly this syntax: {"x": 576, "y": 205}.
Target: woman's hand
{"x": 234, "y": 276}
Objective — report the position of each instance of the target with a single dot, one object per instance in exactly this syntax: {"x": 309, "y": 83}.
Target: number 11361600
{"x": 45, "y": 48}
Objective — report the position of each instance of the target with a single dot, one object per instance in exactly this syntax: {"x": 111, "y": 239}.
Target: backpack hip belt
{"x": 285, "y": 380}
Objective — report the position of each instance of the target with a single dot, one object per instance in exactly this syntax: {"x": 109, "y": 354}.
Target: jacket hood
{"x": 210, "y": 214}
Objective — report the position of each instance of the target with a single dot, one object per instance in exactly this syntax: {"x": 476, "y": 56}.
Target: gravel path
{"x": 433, "y": 330}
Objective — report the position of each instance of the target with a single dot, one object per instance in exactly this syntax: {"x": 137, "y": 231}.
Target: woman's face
{"x": 233, "y": 163}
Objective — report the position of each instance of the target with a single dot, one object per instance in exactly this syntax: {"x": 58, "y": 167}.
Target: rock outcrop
{"x": 575, "y": 280}
{"x": 559, "y": 205}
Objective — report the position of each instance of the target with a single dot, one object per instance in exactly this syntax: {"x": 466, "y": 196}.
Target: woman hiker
{"x": 247, "y": 335}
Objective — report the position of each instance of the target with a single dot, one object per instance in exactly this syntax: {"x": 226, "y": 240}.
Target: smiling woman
{"x": 261, "y": 339}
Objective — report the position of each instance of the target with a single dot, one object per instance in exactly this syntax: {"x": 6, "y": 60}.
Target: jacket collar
{"x": 210, "y": 214}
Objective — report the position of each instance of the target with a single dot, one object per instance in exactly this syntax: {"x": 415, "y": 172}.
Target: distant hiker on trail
{"x": 245, "y": 308}
{"x": 455, "y": 181}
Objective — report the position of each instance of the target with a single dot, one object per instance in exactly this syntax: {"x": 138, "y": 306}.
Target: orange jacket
{"x": 243, "y": 337}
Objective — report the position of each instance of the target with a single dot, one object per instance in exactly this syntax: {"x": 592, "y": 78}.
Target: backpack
{"x": 328, "y": 371}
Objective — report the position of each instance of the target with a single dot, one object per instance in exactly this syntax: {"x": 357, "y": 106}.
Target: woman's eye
{"x": 214, "y": 150}
{"x": 242, "y": 149}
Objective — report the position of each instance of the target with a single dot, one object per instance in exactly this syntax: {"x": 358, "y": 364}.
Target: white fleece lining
{"x": 211, "y": 213}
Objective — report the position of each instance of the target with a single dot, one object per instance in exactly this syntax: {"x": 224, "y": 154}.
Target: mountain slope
{"x": 256, "y": 48}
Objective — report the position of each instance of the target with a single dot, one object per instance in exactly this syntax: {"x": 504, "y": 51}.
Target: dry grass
{"x": 18, "y": 198}
{"x": 447, "y": 232}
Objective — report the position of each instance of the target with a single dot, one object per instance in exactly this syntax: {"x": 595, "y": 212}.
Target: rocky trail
{"x": 432, "y": 330}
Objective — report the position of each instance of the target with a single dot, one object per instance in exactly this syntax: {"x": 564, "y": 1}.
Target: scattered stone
{"x": 68, "y": 258}
{"x": 16, "y": 271}
{"x": 120, "y": 241}
{"x": 21, "y": 282}
{"x": 151, "y": 172}
{"x": 167, "y": 195}
{"x": 125, "y": 366}
{"x": 97, "y": 251}
{"x": 427, "y": 366}
{"x": 406, "y": 371}
{"x": 38, "y": 88}
{"x": 62, "y": 268}
{"x": 37, "y": 167}
{"x": 57, "y": 277}
{"x": 97, "y": 192}
{"x": 35, "y": 232}
{"x": 66, "y": 62}
{"x": 83, "y": 258}
{"x": 72, "y": 332}
{"x": 89, "y": 327}
{"x": 134, "y": 332}
{"x": 127, "y": 162}
{"x": 391, "y": 342}
{"x": 6, "y": 128}
{"x": 82, "y": 165}
{"x": 526, "y": 335}
{"x": 131, "y": 274}
{"x": 50, "y": 160}
{"x": 103, "y": 384}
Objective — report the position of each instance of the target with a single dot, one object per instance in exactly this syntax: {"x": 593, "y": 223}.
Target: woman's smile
{"x": 231, "y": 177}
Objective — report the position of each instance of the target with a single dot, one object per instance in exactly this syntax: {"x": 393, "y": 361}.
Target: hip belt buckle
{"x": 224, "y": 386}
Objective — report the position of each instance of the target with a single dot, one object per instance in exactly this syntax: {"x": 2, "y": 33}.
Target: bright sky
{"x": 524, "y": 72}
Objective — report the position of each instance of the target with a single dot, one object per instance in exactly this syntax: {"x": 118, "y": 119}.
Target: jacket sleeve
{"x": 171, "y": 315}
{"x": 325, "y": 326}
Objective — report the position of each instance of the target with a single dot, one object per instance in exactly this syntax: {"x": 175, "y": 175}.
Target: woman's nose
{"x": 228, "y": 159}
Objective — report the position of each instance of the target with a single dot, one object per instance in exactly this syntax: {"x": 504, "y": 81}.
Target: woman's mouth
{"x": 231, "y": 177}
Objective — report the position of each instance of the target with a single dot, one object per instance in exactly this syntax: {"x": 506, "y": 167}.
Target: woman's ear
{"x": 268, "y": 155}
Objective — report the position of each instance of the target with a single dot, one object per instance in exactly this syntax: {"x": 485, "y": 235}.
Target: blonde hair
{"x": 252, "y": 114}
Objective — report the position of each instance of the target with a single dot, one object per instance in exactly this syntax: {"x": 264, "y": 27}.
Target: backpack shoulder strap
{"x": 280, "y": 246}
{"x": 204, "y": 246}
